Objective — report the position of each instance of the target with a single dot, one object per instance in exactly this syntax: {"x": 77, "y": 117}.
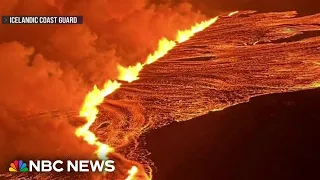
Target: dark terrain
{"x": 271, "y": 137}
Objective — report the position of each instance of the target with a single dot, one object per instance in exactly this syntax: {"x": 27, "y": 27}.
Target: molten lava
{"x": 186, "y": 34}
{"x": 218, "y": 69}
{"x": 131, "y": 73}
{"x": 132, "y": 172}
{"x": 233, "y": 13}
{"x": 89, "y": 109}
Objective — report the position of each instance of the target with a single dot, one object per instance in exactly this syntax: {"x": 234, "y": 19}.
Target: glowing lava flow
{"x": 131, "y": 73}
{"x": 132, "y": 172}
{"x": 232, "y": 13}
{"x": 89, "y": 109}
{"x": 186, "y": 34}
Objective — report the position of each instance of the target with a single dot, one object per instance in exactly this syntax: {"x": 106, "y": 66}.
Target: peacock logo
{"x": 18, "y": 166}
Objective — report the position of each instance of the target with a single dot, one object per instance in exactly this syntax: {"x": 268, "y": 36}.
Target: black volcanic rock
{"x": 269, "y": 138}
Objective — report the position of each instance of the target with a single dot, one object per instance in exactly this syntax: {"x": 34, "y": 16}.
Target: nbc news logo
{"x": 58, "y": 166}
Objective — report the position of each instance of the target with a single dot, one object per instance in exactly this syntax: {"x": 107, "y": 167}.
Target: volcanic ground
{"x": 270, "y": 137}
{"x": 249, "y": 54}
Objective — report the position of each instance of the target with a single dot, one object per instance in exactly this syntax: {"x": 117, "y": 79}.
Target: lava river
{"x": 240, "y": 55}
{"x": 96, "y": 97}
{"x": 228, "y": 60}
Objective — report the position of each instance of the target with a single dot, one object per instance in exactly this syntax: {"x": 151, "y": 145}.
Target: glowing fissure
{"x": 89, "y": 109}
{"x": 132, "y": 172}
{"x": 131, "y": 73}
{"x": 232, "y": 13}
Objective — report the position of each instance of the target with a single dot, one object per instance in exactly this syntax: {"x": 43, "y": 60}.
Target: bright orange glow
{"x": 316, "y": 84}
{"x": 89, "y": 109}
{"x": 131, "y": 73}
{"x": 186, "y": 34}
{"x": 164, "y": 46}
{"x": 233, "y": 13}
{"x": 132, "y": 172}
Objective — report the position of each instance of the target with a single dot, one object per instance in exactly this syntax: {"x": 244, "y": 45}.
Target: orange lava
{"x": 132, "y": 172}
{"x": 233, "y": 13}
{"x": 89, "y": 109}
{"x": 131, "y": 73}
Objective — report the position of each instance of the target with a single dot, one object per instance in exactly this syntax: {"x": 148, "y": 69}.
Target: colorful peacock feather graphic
{"x": 18, "y": 166}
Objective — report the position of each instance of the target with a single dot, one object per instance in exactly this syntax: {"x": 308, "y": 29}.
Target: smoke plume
{"x": 46, "y": 70}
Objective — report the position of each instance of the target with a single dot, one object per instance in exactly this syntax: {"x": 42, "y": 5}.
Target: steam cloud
{"x": 46, "y": 70}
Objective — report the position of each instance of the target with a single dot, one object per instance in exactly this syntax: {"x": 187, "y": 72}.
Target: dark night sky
{"x": 272, "y": 137}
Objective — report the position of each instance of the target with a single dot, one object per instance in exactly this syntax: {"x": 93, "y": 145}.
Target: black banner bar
{"x": 42, "y": 19}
